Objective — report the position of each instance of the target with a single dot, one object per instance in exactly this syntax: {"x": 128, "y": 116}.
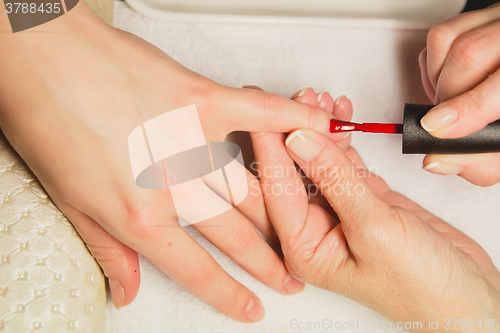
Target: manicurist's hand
{"x": 379, "y": 248}
{"x": 69, "y": 98}
{"x": 460, "y": 73}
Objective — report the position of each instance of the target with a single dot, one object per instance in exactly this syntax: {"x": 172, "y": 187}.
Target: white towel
{"x": 378, "y": 70}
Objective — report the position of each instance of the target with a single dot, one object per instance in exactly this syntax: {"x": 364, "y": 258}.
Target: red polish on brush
{"x": 417, "y": 140}
{"x": 339, "y": 126}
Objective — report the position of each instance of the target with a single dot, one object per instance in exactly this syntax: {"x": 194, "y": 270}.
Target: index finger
{"x": 442, "y": 36}
{"x": 260, "y": 111}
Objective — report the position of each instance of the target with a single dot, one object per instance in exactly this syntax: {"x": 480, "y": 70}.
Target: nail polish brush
{"x": 417, "y": 140}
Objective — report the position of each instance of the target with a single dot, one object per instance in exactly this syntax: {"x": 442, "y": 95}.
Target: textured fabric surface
{"x": 378, "y": 70}
{"x": 49, "y": 282}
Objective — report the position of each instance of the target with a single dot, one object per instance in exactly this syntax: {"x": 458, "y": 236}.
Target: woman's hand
{"x": 460, "y": 73}
{"x": 69, "y": 100}
{"x": 378, "y": 247}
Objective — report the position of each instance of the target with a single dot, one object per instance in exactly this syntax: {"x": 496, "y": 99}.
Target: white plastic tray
{"x": 392, "y": 14}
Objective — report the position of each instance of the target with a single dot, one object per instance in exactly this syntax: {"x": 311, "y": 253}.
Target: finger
{"x": 119, "y": 263}
{"x": 480, "y": 169}
{"x": 150, "y": 228}
{"x": 261, "y": 111}
{"x": 246, "y": 197}
{"x": 284, "y": 192}
{"x": 254, "y": 209}
{"x": 426, "y": 82}
{"x": 473, "y": 57}
{"x": 335, "y": 175}
{"x": 146, "y": 221}
{"x": 308, "y": 96}
{"x": 253, "y": 206}
{"x": 343, "y": 110}
{"x": 325, "y": 101}
{"x": 466, "y": 113}
{"x": 235, "y": 236}
{"x": 442, "y": 36}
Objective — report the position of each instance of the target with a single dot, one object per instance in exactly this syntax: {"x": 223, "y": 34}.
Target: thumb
{"x": 340, "y": 181}
{"x": 466, "y": 113}
{"x": 119, "y": 263}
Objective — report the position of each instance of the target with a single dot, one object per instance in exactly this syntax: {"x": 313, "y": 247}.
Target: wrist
{"x": 31, "y": 60}
{"x": 80, "y": 22}
{"x": 484, "y": 310}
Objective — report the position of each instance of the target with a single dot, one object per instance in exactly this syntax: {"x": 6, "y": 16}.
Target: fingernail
{"x": 303, "y": 145}
{"x": 249, "y": 86}
{"x": 320, "y": 96}
{"x": 292, "y": 285}
{"x": 117, "y": 293}
{"x": 438, "y": 118}
{"x": 301, "y": 93}
{"x": 254, "y": 310}
{"x": 443, "y": 168}
{"x": 437, "y": 100}
{"x": 337, "y": 101}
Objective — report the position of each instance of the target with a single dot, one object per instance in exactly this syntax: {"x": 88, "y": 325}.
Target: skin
{"x": 70, "y": 119}
{"x": 379, "y": 248}
{"x": 46, "y": 112}
{"x": 459, "y": 70}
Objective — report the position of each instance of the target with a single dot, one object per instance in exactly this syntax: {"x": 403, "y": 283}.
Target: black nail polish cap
{"x": 417, "y": 140}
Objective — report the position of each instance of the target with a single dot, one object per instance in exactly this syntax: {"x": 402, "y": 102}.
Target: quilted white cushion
{"x": 49, "y": 282}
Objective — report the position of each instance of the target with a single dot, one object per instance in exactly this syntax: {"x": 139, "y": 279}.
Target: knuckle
{"x": 236, "y": 298}
{"x": 203, "y": 278}
{"x": 471, "y": 105}
{"x": 135, "y": 223}
{"x": 139, "y": 214}
{"x": 274, "y": 271}
{"x": 440, "y": 37}
{"x": 312, "y": 116}
{"x": 105, "y": 254}
{"x": 469, "y": 52}
{"x": 493, "y": 175}
{"x": 242, "y": 239}
{"x": 254, "y": 200}
{"x": 475, "y": 106}
{"x": 301, "y": 250}
{"x": 329, "y": 173}
{"x": 302, "y": 265}
{"x": 271, "y": 107}
{"x": 488, "y": 175}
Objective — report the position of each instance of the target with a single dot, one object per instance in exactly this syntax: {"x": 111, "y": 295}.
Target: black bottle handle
{"x": 416, "y": 140}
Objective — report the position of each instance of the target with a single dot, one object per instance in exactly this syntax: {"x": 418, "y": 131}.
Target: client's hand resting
{"x": 69, "y": 100}
{"x": 380, "y": 248}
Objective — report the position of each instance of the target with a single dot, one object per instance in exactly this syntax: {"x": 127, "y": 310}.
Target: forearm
{"x": 50, "y": 39}
{"x": 28, "y": 60}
